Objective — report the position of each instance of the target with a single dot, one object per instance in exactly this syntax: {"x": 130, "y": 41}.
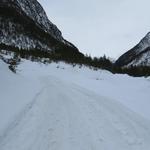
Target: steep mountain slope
{"x": 25, "y": 25}
{"x": 137, "y": 56}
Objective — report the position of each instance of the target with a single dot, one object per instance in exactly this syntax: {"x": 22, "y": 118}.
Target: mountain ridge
{"x": 25, "y": 25}
{"x": 139, "y": 55}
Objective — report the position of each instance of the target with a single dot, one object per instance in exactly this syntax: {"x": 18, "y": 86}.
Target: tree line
{"x": 73, "y": 58}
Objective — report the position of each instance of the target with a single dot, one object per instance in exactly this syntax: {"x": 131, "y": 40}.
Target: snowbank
{"x": 16, "y": 92}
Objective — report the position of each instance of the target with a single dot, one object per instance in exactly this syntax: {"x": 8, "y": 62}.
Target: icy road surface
{"x": 67, "y": 117}
{"x": 58, "y": 107}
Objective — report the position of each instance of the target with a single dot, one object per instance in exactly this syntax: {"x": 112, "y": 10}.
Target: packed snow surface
{"x": 61, "y": 107}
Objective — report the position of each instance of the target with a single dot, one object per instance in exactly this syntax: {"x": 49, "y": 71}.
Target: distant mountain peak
{"x": 148, "y": 35}
{"x": 138, "y": 55}
{"x": 146, "y": 40}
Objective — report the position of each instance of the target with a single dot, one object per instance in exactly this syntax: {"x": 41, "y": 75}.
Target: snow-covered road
{"x": 65, "y": 116}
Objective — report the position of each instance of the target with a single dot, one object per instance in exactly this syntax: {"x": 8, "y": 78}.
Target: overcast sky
{"x": 99, "y": 27}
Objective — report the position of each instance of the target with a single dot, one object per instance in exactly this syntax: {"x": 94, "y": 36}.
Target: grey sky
{"x": 100, "y": 27}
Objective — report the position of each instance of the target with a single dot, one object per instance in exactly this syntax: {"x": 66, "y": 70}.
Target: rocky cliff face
{"x": 25, "y": 25}
{"x": 137, "y": 56}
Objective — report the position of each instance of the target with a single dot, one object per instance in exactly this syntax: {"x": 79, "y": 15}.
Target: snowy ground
{"x": 58, "y": 107}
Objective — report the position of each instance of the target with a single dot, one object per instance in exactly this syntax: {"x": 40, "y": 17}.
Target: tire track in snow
{"x": 67, "y": 117}
{"x": 18, "y": 118}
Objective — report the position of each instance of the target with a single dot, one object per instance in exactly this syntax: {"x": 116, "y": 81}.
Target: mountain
{"x": 25, "y": 25}
{"x": 138, "y": 55}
